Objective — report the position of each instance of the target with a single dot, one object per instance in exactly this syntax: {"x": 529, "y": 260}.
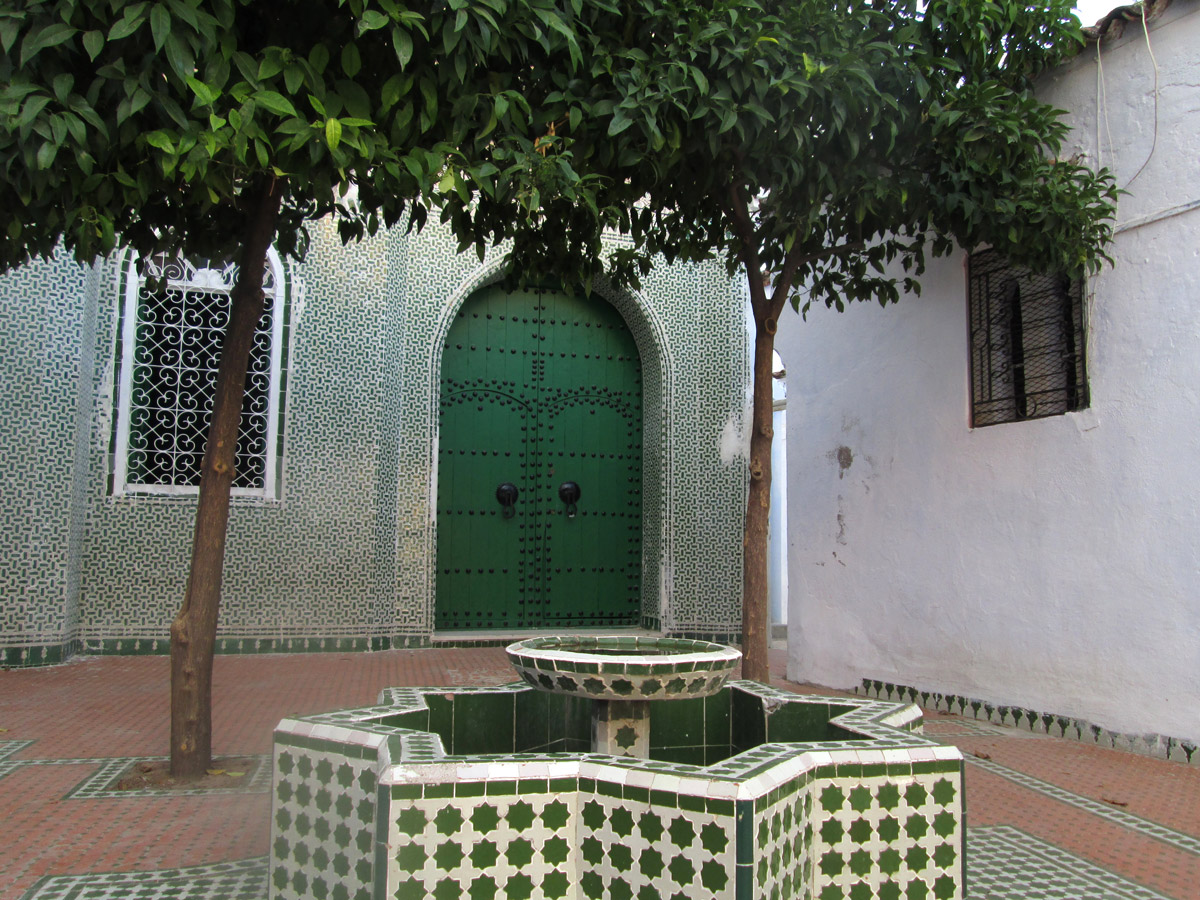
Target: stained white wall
{"x": 1051, "y": 564}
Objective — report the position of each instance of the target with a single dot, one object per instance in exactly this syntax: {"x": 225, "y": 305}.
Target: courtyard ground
{"x": 1047, "y": 818}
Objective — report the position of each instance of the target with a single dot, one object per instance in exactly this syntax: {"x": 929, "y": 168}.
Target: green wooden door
{"x": 539, "y": 389}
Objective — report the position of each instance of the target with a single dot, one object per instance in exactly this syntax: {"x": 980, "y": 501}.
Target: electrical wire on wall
{"x": 1154, "y": 62}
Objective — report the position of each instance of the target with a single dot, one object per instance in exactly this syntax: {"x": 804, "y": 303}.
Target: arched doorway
{"x": 539, "y": 391}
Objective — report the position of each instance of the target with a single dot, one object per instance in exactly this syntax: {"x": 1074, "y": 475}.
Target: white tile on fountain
{"x": 819, "y": 758}
{"x": 922, "y": 754}
{"x": 722, "y": 790}
{"x": 664, "y": 782}
{"x": 472, "y": 771}
{"x": 870, "y": 757}
{"x": 894, "y": 755}
{"x": 947, "y": 753}
{"x": 564, "y": 768}
{"x": 504, "y": 770}
{"x": 640, "y": 778}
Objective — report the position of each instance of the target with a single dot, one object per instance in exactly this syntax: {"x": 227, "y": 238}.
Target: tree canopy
{"x": 147, "y": 123}
{"x": 219, "y": 128}
{"x": 822, "y": 147}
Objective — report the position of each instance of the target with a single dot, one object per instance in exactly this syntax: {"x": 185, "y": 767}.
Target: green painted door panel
{"x": 539, "y": 388}
{"x": 590, "y": 432}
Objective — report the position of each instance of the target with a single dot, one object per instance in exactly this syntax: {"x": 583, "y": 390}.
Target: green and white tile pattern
{"x": 323, "y": 817}
{"x": 344, "y": 558}
{"x": 238, "y": 880}
{"x": 1004, "y": 864}
{"x": 1008, "y": 864}
{"x": 880, "y": 810}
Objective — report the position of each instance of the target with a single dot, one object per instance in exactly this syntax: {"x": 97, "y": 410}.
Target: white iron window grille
{"x": 1027, "y": 342}
{"x": 170, "y": 345}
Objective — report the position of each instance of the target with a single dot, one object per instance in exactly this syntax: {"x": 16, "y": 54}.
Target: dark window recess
{"x": 1027, "y": 342}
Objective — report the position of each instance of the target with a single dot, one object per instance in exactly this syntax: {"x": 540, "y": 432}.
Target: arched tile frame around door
{"x": 648, "y": 335}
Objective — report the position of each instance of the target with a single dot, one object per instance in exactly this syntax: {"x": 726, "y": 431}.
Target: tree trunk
{"x": 755, "y": 599}
{"x": 194, "y": 630}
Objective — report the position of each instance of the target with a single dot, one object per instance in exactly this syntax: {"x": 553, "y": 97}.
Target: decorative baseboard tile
{"x": 250, "y": 645}
{"x": 244, "y": 879}
{"x": 732, "y": 638}
{"x": 54, "y": 654}
{"x": 38, "y": 654}
{"x": 1003, "y": 861}
{"x": 1157, "y": 745}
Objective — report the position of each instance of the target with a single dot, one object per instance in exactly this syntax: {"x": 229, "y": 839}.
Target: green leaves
{"x": 333, "y": 133}
{"x": 44, "y": 38}
{"x": 160, "y": 24}
{"x": 275, "y": 102}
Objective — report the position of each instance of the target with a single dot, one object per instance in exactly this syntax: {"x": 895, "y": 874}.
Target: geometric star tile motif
{"x": 370, "y": 805}
{"x": 640, "y": 850}
{"x": 323, "y": 825}
{"x": 515, "y": 847}
{"x": 887, "y": 839}
{"x": 1004, "y": 862}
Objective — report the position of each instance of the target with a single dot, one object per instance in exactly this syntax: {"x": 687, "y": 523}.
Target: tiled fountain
{"x": 728, "y": 790}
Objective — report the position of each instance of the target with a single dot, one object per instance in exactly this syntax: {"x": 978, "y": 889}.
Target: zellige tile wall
{"x": 343, "y": 560}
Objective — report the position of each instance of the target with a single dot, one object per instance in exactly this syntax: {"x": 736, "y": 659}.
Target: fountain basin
{"x": 624, "y": 668}
{"x": 748, "y": 793}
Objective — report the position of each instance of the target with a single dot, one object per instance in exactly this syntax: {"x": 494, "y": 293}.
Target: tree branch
{"x": 738, "y": 210}
{"x": 795, "y": 259}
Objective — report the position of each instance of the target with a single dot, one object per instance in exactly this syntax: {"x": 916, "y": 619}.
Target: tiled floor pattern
{"x": 108, "y": 769}
{"x": 1050, "y": 819}
{"x": 239, "y": 880}
{"x": 1005, "y": 863}
{"x": 1178, "y": 839}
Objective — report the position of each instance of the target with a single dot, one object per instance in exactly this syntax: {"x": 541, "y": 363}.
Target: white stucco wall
{"x": 1051, "y": 564}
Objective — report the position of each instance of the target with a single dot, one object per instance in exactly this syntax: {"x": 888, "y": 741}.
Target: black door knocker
{"x": 568, "y": 493}
{"x": 507, "y": 495}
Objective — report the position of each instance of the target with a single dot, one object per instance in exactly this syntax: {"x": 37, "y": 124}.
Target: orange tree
{"x": 222, "y": 127}
{"x": 822, "y": 147}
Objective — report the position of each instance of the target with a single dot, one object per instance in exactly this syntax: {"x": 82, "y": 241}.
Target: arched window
{"x": 172, "y": 325}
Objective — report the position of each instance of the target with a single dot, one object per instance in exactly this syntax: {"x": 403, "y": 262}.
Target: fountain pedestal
{"x": 624, "y": 677}
{"x": 621, "y": 728}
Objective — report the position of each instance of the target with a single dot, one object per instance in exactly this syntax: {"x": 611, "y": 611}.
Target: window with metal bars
{"x": 172, "y": 324}
{"x": 1027, "y": 342}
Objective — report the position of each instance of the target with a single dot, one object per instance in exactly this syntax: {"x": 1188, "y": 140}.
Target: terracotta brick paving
{"x": 1137, "y": 784}
{"x": 993, "y": 800}
{"x": 117, "y": 707}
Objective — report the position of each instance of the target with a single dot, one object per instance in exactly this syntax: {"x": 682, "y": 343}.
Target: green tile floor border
{"x": 1160, "y": 746}
{"x": 244, "y": 879}
{"x": 1127, "y": 820}
{"x": 107, "y": 768}
{"x": 1004, "y": 863}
